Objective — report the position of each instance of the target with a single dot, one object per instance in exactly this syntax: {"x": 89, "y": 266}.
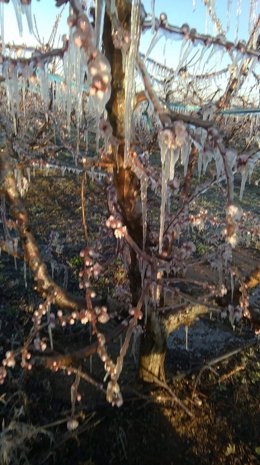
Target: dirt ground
{"x": 221, "y": 393}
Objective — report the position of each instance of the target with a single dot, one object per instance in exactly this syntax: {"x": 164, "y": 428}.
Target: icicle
{"x": 28, "y": 172}
{"x": 146, "y": 302}
{"x": 229, "y": 8}
{"x": 238, "y": 13}
{"x": 25, "y": 274}
{"x": 165, "y": 158}
{"x": 144, "y": 186}
{"x": 86, "y": 140}
{"x": 129, "y": 74}
{"x": 232, "y": 285}
{"x": 24, "y": 84}
{"x": 18, "y": 14}
{"x": 15, "y": 249}
{"x": 155, "y": 39}
{"x": 185, "y": 152}
{"x": 27, "y": 10}
{"x": 174, "y": 156}
{"x": 50, "y": 327}
{"x": 99, "y": 22}
{"x": 187, "y": 337}
{"x": 2, "y": 25}
{"x": 44, "y": 86}
{"x": 153, "y": 15}
{"x": 185, "y": 49}
{"x": 97, "y": 133}
{"x": 52, "y": 269}
{"x": 18, "y": 177}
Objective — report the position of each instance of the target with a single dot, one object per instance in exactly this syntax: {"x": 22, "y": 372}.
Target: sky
{"x": 192, "y": 12}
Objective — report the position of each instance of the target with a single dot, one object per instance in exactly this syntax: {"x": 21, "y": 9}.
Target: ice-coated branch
{"x": 204, "y": 39}
{"x": 166, "y": 115}
{"x": 36, "y": 59}
{"x": 45, "y": 285}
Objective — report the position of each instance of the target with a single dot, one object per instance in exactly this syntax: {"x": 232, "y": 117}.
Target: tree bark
{"x": 154, "y": 343}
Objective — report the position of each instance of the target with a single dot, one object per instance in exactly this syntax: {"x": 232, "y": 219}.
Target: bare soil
{"x": 150, "y": 428}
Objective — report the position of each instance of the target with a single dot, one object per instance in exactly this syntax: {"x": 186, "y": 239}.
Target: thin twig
{"x": 83, "y": 205}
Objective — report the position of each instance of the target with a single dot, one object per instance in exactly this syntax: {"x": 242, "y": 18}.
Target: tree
{"x": 89, "y": 85}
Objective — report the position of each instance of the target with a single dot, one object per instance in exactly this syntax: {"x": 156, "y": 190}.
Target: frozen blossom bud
{"x": 96, "y": 270}
{"x": 163, "y": 18}
{"x": 113, "y": 394}
{"x": 72, "y": 20}
{"x": 136, "y": 313}
{"x": 185, "y": 28}
{"x": 52, "y": 321}
{"x": 103, "y": 317}
{"x": 72, "y": 424}
{"x": 181, "y": 134}
{"x": 37, "y": 343}
{"x": 166, "y": 138}
{"x": 105, "y": 128}
{"x": 10, "y": 360}
{"x": 235, "y": 212}
{"x": 119, "y": 232}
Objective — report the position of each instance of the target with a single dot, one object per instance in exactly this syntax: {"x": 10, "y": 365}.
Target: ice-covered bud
{"x": 96, "y": 270}
{"x": 101, "y": 339}
{"x": 136, "y": 313}
{"x": 103, "y": 316}
{"x": 79, "y": 39}
{"x": 105, "y": 128}
{"x": 193, "y": 32}
{"x": 181, "y": 135}
{"x": 223, "y": 290}
{"x": 83, "y": 23}
{"x": 52, "y": 321}
{"x": 72, "y": 424}
{"x": 241, "y": 45}
{"x": 37, "y": 343}
{"x": 121, "y": 38}
{"x": 223, "y": 314}
{"x": 185, "y": 29}
{"x": 111, "y": 222}
{"x": 72, "y": 19}
{"x": 43, "y": 346}
{"x": 84, "y": 320}
{"x": 10, "y": 360}
{"x": 235, "y": 212}
{"x": 163, "y": 18}
{"x": 166, "y": 138}
{"x": 120, "y": 232}
{"x": 232, "y": 240}
{"x": 113, "y": 394}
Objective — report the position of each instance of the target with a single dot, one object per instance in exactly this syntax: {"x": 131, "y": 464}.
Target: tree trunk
{"x": 152, "y": 350}
{"x": 154, "y": 342}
